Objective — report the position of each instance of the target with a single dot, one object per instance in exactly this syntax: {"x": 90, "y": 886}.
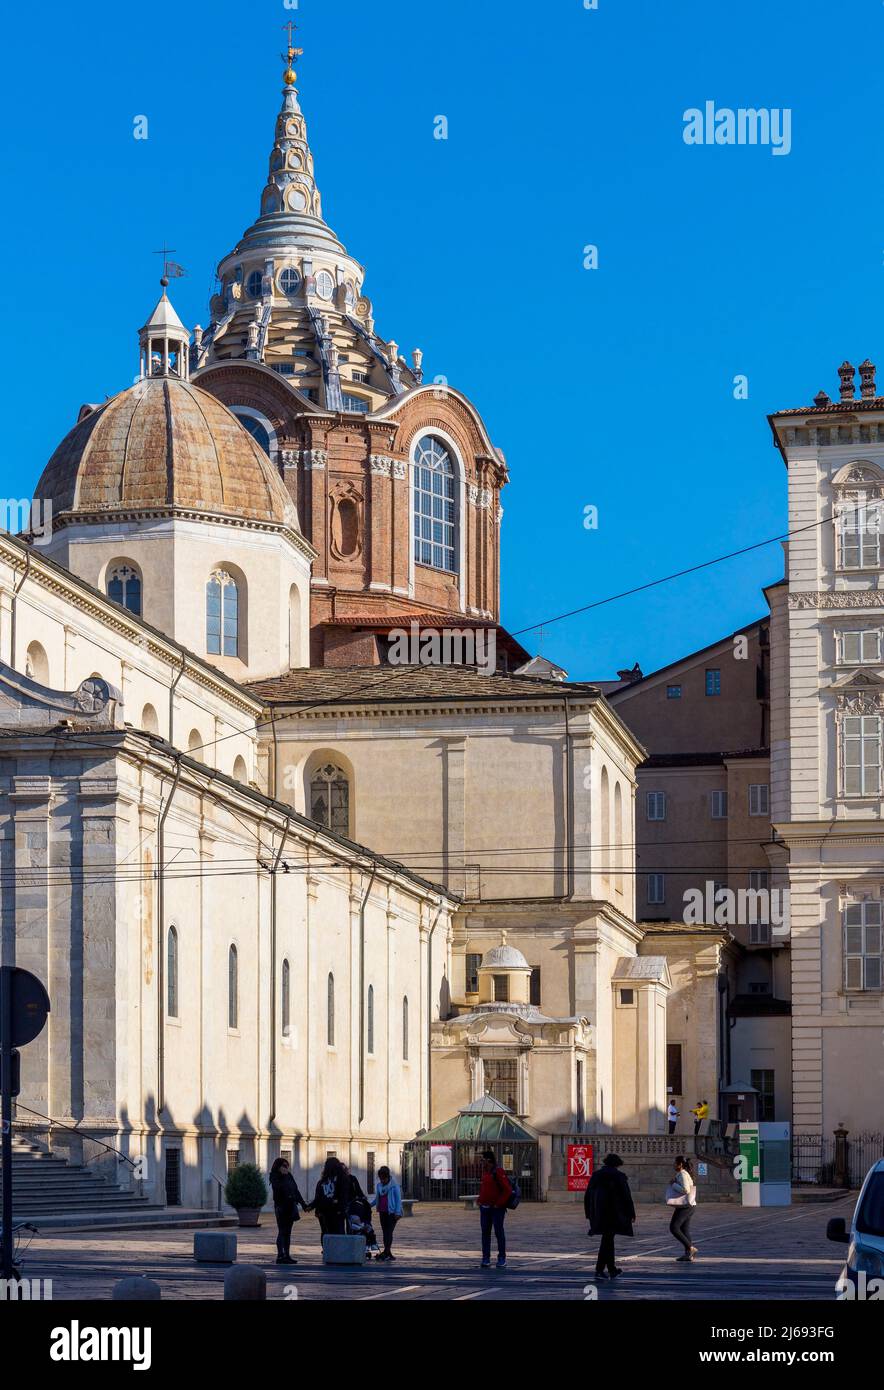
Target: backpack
{"x": 515, "y": 1196}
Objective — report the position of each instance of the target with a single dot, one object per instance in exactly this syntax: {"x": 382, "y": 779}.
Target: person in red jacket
{"x": 495, "y": 1191}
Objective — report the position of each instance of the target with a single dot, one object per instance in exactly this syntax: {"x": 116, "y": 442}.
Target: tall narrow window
{"x": 718, "y": 803}
{"x": 863, "y": 945}
{"x": 330, "y": 1011}
{"x": 861, "y": 754}
{"x": 286, "y": 1000}
{"x": 222, "y": 615}
{"x": 369, "y": 1019}
{"x": 124, "y": 587}
{"x": 759, "y": 799}
{"x": 172, "y": 973}
{"x": 860, "y": 536}
{"x": 713, "y": 682}
{"x": 330, "y": 799}
{"x": 656, "y": 890}
{"x": 435, "y": 505}
{"x": 232, "y": 988}
{"x": 501, "y": 989}
{"x": 405, "y": 1029}
{"x": 534, "y": 986}
{"x": 763, "y": 1082}
{"x": 473, "y": 961}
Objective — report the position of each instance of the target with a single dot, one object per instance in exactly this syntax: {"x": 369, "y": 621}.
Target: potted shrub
{"x": 246, "y": 1192}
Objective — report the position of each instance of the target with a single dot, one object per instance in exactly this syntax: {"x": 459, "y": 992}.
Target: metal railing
{"x": 815, "y": 1160}
{"x": 84, "y": 1134}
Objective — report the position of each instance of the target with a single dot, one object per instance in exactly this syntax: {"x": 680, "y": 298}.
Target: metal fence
{"x": 813, "y": 1158}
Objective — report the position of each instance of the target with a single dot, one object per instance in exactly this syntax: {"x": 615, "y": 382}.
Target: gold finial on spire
{"x": 290, "y": 77}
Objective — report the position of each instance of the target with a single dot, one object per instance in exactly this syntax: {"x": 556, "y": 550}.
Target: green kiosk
{"x": 766, "y": 1163}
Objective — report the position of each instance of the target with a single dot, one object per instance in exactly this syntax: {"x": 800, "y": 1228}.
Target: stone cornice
{"x": 118, "y": 514}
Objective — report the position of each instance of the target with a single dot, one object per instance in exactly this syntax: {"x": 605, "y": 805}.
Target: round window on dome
{"x": 253, "y": 284}
{"x": 290, "y": 280}
{"x": 325, "y": 285}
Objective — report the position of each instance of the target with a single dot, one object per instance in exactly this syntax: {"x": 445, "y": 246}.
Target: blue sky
{"x": 611, "y": 387}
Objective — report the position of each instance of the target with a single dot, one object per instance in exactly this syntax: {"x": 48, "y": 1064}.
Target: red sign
{"x": 579, "y": 1167}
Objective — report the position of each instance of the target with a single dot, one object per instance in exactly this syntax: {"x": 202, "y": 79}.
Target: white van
{"x": 863, "y": 1275}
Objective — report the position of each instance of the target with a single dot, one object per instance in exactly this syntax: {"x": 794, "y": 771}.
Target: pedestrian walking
{"x": 387, "y": 1200}
{"x": 610, "y": 1211}
{"x": 495, "y": 1192}
{"x": 672, "y": 1116}
{"x": 681, "y": 1195}
{"x": 330, "y": 1199}
{"x": 286, "y": 1200}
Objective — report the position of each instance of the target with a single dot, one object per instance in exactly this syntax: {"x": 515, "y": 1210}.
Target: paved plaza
{"x": 776, "y": 1253}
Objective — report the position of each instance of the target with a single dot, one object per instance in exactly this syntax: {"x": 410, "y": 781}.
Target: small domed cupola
{"x": 504, "y": 976}
{"x": 164, "y": 341}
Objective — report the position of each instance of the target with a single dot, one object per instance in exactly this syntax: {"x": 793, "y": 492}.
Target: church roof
{"x": 164, "y": 316}
{"x": 392, "y": 684}
{"x": 164, "y": 444}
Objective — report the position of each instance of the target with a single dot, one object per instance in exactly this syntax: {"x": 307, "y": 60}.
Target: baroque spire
{"x": 291, "y": 184}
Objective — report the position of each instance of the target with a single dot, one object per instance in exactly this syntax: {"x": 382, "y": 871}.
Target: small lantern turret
{"x": 164, "y": 341}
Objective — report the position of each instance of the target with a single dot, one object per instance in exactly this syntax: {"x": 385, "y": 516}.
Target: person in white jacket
{"x": 681, "y": 1195}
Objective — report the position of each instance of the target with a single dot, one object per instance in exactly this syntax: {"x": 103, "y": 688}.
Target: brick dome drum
{"x": 164, "y": 444}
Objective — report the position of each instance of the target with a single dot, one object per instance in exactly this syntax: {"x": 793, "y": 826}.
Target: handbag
{"x": 677, "y": 1197}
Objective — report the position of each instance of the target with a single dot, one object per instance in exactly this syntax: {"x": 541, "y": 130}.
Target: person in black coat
{"x": 286, "y": 1200}
{"x": 610, "y": 1211}
{"x": 330, "y": 1198}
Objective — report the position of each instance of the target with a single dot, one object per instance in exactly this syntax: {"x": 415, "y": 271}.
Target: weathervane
{"x": 171, "y": 269}
{"x": 289, "y": 77}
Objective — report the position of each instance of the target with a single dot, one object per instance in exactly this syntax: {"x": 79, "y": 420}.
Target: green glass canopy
{"x": 482, "y": 1121}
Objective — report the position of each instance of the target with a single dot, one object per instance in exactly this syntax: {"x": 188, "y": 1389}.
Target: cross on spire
{"x": 166, "y": 252}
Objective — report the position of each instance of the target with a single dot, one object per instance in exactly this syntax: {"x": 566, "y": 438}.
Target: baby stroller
{"x": 359, "y": 1224}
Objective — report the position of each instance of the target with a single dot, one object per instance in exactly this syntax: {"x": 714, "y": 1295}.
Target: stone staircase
{"x": 46, "y": 1186}
{"x": 55, "y": 1195}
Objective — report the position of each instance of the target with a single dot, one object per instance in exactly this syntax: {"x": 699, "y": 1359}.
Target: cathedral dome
{"x": 164, "y": 444}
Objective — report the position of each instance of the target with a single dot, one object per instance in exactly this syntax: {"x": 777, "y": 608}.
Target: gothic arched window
{"x": 330, "y": 799}
{"x": 172, "y": 973}
{"x": 232, "y": 988}
{"x": 435, "y": 505}
{"x": 124, "y": 587}
{"x": 222, "y": 615}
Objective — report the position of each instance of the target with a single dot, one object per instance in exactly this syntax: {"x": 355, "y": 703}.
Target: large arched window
{"x": 259, "y": 427}
{"x": 369, "y": 1020}
{"x": 405, "y": 1028}
{"x": 435, "y": 505}
{"x": 286, "y": 1000}
{"x": 222, "y": 615}
{"x": 172, "y": 973}
{"x": 124, "y": 587}
{"x": 330, "y": 799}
{"x": 232, "y": 988}
{"x": 330, "y": 1011}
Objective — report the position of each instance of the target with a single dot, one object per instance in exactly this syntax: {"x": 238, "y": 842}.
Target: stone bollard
{"x": 214, "y": 1247}
{"x": 136, "y": 1289}
{"x": 245, "y": 1283}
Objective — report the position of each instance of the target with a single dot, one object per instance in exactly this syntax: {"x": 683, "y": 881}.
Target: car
{"x": 863, "y": 1274}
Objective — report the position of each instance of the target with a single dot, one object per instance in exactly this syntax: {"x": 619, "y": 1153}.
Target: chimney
{"x": 821, "y": 399}
{"x": 846, "y": 372}
{"x": 867, "y": 379}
